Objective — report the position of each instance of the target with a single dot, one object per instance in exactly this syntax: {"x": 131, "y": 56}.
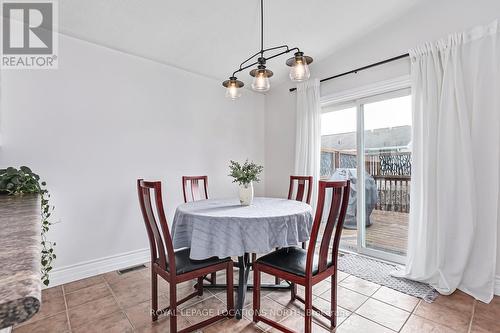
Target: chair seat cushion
{"x": 185, "y": 265}
{"x": 291, "y": 260}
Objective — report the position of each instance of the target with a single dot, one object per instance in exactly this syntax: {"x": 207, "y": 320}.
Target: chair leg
{"x": 199, "y": 286}
{"x": 154, "y": 295}
{"x": 173, "y": 306}
{"x": 213, "y": 278}
{"x": 230, "y": 289}
{"x": 308, "y": 308}
{"x": 293, "y": 292}
{"x": 333, "y": 301}
{"x": 256, "y": 293}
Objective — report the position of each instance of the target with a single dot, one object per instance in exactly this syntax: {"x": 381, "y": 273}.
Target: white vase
{"x": 246, "y": 194}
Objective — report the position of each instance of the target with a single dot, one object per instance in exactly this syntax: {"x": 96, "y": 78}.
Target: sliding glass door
{"x": 368, "y": 140}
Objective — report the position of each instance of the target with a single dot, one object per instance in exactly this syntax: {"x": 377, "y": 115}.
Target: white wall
{"x": 105, "y": 118}
{"x": 430, "y": 21}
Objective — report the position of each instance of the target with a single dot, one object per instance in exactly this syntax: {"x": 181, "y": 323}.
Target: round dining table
{"x": 224, "y": 228}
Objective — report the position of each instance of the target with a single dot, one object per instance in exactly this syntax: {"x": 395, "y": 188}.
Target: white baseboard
{"x": 497, "y": 285}
{"x": 98, "y": 266}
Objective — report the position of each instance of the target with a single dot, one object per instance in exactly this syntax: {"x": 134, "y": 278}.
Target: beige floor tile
{"x": 55, "y": 324}
{"x": 115, "y": 322}
{"x": 52, "y": 303}
{"x": 487, "y": 312}
{"x": 52, "y": 292}
{"x": 233, "y": 325}
{"x": 140, "y": 314}
{"x": 270, "y": 309}
{"x": 87, "y": 294}
{"x": 359, "y": 285}
{"x": 131, "y": 291}
{"x": 383, "y": 314}
{"x": 341, "y": 276}
{"x": 80, "y": 284}
{"x": 454, "y": 311}
{"x": 321, "y": 287}
{"x": 296, "y": 322}
{"x": 203, "y": 310}
{"x": 92, "y": 311}
{"x": 324, "y": 306}
{"x": 347, "y": 298}
{"x": 162, "y": 325}
{"x": 280, "y": 296}
{"x": 417, "y": 324}
{"x": 396, "y": 298}
{"x": 358, "y": 324}
{"x": 486, "y": 326}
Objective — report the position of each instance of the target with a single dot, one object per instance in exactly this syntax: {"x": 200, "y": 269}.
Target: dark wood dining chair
{"x": 174, "y": 266}
{"x": 305, "y": 267}
{"x": 192, "y": 190}
{"x": 304, "y": 186}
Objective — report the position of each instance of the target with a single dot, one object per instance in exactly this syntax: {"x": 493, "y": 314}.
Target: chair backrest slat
{"x": 335, "y": 221}
{"x": 192, "y": 190}
{"x": 156, "y": 226}
{"x": 302, "y": 182}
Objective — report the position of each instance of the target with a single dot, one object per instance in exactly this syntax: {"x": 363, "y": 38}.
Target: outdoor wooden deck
{"x": 388, "y": 232}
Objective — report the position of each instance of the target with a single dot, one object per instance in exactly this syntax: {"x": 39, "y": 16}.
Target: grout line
{"x": 406, "y": 321}
{"x": 122, "y": 309}
{"x": 472, "y": 315}
{"x": 66, "y": 306}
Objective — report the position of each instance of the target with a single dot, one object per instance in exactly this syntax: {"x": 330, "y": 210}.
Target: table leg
{"x": 244, "y": 270}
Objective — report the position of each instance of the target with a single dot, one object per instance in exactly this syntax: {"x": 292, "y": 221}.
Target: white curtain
{"x": 308, "y": 132}
{"x": 455, "y": 175}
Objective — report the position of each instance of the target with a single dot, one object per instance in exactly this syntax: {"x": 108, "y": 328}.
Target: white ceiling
{"x": 212, "y": 37}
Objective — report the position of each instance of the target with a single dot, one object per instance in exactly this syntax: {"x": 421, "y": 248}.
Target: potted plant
{"x": 19, "y": 181}
{"x": 245, "y": 175}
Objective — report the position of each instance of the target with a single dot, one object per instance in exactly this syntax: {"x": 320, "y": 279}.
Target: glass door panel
{"x": 369, "y": 142}
{"x": 387, "y": 174}
{"x": 339, "y": 156}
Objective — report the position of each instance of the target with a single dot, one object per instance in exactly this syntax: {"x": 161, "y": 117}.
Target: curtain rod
{"x": 362, "y": 68}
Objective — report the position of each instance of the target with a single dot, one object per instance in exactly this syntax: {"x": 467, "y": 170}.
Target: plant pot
{"x": 246, "y": 194}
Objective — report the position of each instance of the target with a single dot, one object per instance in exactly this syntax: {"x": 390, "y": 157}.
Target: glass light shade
{"x": 261, "y": 82}
{"x": 232, "y": 91}
{"x": 299, "y": 70}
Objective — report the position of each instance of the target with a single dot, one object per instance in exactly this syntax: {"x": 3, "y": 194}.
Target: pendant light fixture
{"x": 299, "y": 66}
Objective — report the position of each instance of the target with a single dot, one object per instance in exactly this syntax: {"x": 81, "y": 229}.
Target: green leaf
{"x": 25, "y": 169}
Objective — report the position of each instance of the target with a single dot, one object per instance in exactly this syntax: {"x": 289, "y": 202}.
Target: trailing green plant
{"x": 246, "y": 173}
{"x": 20, "y": 181}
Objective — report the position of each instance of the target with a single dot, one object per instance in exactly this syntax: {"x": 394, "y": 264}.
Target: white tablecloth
{"x": 223, "y": 228}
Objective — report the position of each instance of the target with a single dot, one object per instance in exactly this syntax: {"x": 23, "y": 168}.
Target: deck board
{"x": 388, "y": 232}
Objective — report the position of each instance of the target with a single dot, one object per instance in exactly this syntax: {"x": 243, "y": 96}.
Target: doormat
{"x": 380, "y": 272}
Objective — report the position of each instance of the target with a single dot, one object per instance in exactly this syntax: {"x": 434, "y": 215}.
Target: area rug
{"x": 380, "y": 272}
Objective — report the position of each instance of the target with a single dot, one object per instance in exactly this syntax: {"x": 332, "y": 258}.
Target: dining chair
{"x": 305, "y": 267}
{"x": 174, "y": 266}
{"x": 304, "y": 185}
{"x": 191, "y": 188}
{"x": 193, "y": 192}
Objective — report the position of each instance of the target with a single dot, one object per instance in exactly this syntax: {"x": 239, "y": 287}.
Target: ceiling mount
{"x": 299, "y": 70}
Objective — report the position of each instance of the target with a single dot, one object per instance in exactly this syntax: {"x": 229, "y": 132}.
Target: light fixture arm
{"x": 288, "y": 50}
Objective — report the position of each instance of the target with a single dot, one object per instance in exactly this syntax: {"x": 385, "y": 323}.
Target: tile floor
{"x": 120, "y": 303}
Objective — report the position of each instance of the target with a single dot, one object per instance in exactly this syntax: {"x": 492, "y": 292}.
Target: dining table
{"x": 224, "y": 228}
